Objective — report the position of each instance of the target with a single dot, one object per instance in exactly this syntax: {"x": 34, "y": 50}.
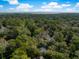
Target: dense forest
{"x": 39, "y": 36}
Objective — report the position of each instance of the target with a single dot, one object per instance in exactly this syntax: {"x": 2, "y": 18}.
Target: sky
{"x": 39, "y": 5}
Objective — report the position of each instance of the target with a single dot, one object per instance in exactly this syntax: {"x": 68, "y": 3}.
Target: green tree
{"x": 19, "y": 54}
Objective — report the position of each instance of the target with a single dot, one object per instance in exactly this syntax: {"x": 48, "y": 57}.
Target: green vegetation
{"x": 39, "y": 36}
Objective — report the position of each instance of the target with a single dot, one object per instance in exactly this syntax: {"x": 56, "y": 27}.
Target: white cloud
{"x": 51, "y": 5}
{"x": 54, "y": 5}
{"x": 65, "y": 5}
{"x": 45, "y": 7}
{"x": 22, "y": 7}
{"x": 13, "y": 2}
{"x": 77, "y": 4}
{"x": 70, "y": 10}
{"x": 1, "y": 6}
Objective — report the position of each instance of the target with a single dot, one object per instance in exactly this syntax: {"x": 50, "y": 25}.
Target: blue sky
{"x": 39, "y": 5}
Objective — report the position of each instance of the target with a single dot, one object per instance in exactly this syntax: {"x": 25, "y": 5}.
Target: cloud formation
{"x": 77, "y": 4}
{"x": 22, "y": 7}
{"x": 1, "y": 6}
{"x": 12, "y": 2}
{"x": 55, "y": 5}
{"x": 42, "y": 7}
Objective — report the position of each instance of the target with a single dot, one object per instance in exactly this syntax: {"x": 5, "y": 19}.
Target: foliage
{"x": 36, "y": 36}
